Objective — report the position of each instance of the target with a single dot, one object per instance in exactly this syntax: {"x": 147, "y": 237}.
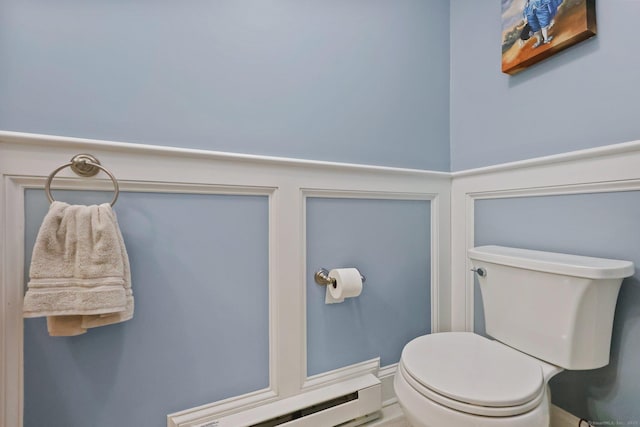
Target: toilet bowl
{"x": 544, "y": 312}
{"x": 459, "y": 379}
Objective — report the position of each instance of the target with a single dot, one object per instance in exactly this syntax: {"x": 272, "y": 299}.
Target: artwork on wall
{"x": 533, "y": 30}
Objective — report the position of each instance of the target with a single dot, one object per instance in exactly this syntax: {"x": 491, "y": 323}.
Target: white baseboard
{"x": 331, "y": 377}
{"x": 386, "y": 375}
{"x": 562, "y": 418}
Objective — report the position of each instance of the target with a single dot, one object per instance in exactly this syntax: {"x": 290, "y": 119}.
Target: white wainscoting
{"x": 604, "y": 169}
{"x": 27, "y": 159}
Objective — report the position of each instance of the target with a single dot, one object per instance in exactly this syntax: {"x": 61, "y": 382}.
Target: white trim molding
{"x": 335, "y": 376}
{"x": 386, "y": 375}
{"x": 208, "y": 412}
{"x": 13, "y": 279}
{"x": 27, "y": 159}
{"x": 437, "y": 193}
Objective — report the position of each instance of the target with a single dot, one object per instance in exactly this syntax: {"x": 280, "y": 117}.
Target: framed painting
{"x": 534, "y": 30}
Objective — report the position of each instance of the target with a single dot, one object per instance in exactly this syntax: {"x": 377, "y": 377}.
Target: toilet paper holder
{"x": 322, "y": 278}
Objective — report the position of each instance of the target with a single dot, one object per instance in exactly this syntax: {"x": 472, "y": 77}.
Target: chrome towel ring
{"x": 84, "y": 165}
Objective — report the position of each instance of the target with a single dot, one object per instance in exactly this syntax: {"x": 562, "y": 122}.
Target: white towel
{"x": 79, "y": 269}
{"x": 122, "y": 316}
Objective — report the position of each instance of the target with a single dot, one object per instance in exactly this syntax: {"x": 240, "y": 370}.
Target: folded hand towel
{"x": 76, "y": 325}
{"x": 78, "y": 268}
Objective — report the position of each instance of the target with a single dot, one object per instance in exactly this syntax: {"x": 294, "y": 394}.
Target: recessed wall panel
{"x": 200, "y": 332}
{"x": 389, "y": 242}
{"x": 602, "y": 225}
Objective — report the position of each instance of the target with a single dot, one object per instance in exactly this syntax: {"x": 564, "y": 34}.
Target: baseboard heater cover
{"x": 332, "y": 405}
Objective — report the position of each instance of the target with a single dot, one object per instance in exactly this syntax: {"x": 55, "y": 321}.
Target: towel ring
{"x": 84, "y": 165}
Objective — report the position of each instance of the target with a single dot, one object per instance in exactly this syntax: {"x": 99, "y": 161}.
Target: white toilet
{"x": 546, "y": 311}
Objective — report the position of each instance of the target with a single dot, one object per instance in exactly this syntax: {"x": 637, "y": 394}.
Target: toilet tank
{"x": 556, "y": 307}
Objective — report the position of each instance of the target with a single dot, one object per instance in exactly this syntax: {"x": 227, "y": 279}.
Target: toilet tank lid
{"x": 551, "y": 262}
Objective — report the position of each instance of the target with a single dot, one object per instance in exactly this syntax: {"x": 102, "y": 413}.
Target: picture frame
{"x": 534, "y": 30}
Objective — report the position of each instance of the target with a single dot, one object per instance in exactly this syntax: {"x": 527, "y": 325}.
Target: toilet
{"x": 544, "y": 312}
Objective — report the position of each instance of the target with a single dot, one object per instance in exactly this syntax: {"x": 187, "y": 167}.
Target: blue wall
{"x": 340, "y": 80}
{"x": 200, "y": 332}
{"x": 602, "y": 225}
{"x": 583, "y": 97}
{"x": 373, "y": 82}
{"x": 389, "y": 242}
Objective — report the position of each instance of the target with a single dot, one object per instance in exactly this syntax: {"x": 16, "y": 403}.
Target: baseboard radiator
{"x": 346, "y": 404}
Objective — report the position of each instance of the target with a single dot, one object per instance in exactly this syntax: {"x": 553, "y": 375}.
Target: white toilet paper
{"x": 348, "y": 285}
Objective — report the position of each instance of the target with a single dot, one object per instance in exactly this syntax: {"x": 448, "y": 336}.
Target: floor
{"x": 392, "y": 416}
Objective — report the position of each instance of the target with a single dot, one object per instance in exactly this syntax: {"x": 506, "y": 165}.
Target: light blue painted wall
{"x": 581, "y": 98}
{"x": 200, "y": 330}
{"x": 389, "y": 242}
{"x": 602, "y": 225}
{"x": 341, "y": 80}
{"x": 363, "y": 82}
{"x": 349, "y": 81}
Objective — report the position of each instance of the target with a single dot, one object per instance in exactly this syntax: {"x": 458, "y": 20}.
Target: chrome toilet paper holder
{"x": 322, "y": 278}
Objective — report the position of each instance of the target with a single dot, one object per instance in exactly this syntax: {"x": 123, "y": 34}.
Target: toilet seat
{"x": 469, "y": 373}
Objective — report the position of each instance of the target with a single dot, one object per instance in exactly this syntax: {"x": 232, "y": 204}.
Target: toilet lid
{"x": 472, "y": 369}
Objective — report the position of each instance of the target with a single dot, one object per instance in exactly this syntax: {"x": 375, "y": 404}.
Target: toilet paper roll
{"x": 348, "y": 285}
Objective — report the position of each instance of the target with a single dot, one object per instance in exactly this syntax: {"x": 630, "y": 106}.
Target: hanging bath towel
{"x": 79, "y": 270}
